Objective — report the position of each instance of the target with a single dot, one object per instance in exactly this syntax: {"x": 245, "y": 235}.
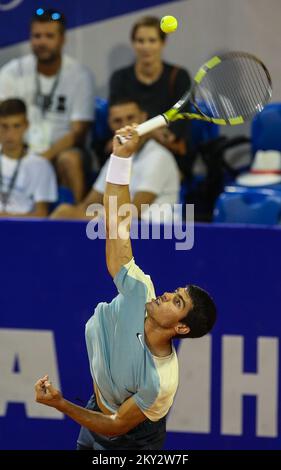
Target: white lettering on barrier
{"x": 25, "y": 356}
{"x": 263, "y": 384}
{"x": 191, "y": 411}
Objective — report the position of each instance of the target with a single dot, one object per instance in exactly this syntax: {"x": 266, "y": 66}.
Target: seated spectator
{"x": 156, "y": 84}
{"x": 27, "y": 181}
{"x": 155, "y": 176}
{"x": 58, "y": 92}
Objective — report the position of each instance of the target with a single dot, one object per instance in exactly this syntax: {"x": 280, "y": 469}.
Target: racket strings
{"x": 238, "y": 86}
{"x": 261, "y": 81}
{"x": 254, "y": 93}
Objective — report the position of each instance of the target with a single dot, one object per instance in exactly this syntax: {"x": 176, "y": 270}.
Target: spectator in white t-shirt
{"x": 27, "y": 181}
{"x": 155, "y": 176}
{"x": 58, "y": 92}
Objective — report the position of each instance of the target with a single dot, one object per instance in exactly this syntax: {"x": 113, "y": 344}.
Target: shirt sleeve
{"x": 45, "y": 189}
{"x": 156, "y": 398}
{"x": 83, "y": 105}
{"x": 131, "y": 280}
{"x": 160, "y": 407}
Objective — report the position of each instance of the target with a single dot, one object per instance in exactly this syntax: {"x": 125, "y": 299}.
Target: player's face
{"x": 148, "y": 45}
{"x": 125, "y": 115}
{"x": 170, "y": 308}
{"x": 46, "y": 41}
{"x": 12, "y": 130}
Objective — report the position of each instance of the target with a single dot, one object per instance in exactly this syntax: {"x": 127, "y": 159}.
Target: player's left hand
{"x": 130, "y": 145}
{"x": 46, "y": 393}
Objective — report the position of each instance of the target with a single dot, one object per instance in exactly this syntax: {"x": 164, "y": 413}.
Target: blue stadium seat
{"x": 101, "y": 130}
{"x": 248, "y": 205}
{"x": 65, "y": 196}
{"x": 260, "y": 204}
{"x": 266, "y": 129}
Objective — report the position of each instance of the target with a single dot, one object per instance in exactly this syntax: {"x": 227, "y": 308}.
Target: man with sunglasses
{"x": 58, "y": 92}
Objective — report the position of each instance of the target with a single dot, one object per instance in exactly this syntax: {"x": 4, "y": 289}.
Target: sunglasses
{"x": 53, "y": 15}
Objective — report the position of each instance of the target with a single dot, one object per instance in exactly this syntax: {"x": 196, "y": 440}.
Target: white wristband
{"x": 119, "y": 170}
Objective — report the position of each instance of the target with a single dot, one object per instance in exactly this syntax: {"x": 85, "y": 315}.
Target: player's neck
{"x": 148, "y": 72}
{"x": 158, "y": 343}
{"x": 14, "y": 154}
{"x": 49, "y": 68}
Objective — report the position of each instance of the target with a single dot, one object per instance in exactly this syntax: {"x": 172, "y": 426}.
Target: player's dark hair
{"x": 201, "y": 318}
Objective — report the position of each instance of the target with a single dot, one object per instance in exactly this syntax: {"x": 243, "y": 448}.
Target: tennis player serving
{"x": 133, "y": 362}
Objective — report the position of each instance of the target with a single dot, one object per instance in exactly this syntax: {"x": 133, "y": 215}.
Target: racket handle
{"x": 152, "y": 124}
{"x": 147, "y": 126}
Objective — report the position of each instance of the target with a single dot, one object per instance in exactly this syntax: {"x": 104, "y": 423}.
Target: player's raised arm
{"x": 118, "y": 243}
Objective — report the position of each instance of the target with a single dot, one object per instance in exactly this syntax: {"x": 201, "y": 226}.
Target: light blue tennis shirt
{"x": 121, "y": 364}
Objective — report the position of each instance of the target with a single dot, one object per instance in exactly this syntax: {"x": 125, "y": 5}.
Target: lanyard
{"x": 44, "y": 101}
{"x": 5, "y": 196}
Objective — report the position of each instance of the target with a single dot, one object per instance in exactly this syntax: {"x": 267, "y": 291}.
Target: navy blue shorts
{"x": 147, "y": 436}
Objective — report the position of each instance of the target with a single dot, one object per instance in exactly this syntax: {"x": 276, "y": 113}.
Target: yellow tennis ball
{"x": 168, "y": 24}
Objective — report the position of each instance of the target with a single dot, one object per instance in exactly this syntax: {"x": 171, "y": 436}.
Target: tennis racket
{"x": 227, "y": 90}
